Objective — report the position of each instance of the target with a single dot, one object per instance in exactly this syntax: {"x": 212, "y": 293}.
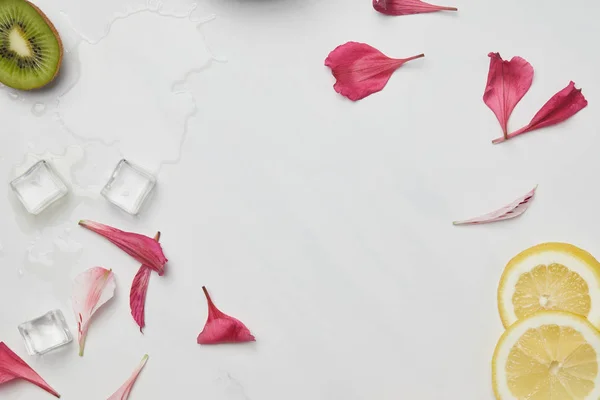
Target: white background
{"x": 323, "y": 224}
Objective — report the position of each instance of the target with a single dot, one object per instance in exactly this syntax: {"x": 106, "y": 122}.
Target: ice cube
{"x": 39, "y": 187}
{"x": 45, "y": 333}
{"x": 128, "y": 187}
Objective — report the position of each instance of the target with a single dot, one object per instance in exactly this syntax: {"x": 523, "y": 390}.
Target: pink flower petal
{"x": 508, "y": 81}
{"x": 144, "y": 249}
{"x": 361, "y": 70}
{"x": 123, "y": 392}
{"x": 407, "y": 7}
{"x": 91, "y": 290}
{"x": 513, "y": 210}
{"x": 221, "y": 328}
{"x": 563, "y": 105}
{"x": 13, "y": 367}
{"x": 137, "y": 294}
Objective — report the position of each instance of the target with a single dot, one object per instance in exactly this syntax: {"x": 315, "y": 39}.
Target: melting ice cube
{"x": 39, "y": 187}
{"x": 128, "y": 187}
{"x": 45, "y": 333}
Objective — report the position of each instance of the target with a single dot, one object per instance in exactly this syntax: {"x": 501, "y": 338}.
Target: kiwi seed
{"x": 30, "y": 47}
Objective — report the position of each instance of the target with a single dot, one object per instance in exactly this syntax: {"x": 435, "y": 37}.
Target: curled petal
{"x": 137, "y": 294}
{"x": 407, "y": 7}
{"x": 221, "y": 328}
{"x": 563, "y": 105}
{"x": 144, "y": 249}
{"x": 13, "y": 367}
{"x": 361, "y": 70}
{"x": 508, "y": 82}
{"x": 92, "y": 289}
{"x": 512, "y": 210}
{"x": 123, "y": 392}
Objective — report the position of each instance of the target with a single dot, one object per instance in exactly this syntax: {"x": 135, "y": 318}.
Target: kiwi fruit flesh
{"x": 30, "y": 48}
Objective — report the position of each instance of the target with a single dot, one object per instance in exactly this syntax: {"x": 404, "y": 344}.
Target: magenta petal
{"x": 508, "y": 82}
{"x": 137, "y": 295}
{"x": 123, "y": 392}
{"x": 13, "y": 367}
{"x": 563, "y": 105}
{"x": 361, "y": 70}
{"x": 221, "y": 328}
{"x": 144, "y": 249}
{"x": 407, "y": 7}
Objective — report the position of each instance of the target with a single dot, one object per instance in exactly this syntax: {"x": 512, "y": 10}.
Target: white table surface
{"x": 323, "y": 224}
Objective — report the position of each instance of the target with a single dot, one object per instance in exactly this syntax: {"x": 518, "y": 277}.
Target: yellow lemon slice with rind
{"x": 550, "y": 276}
{"x": 551, "y": 355}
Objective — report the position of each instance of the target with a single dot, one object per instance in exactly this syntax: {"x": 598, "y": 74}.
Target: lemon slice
{"x": 550, "y": 276}
{"x": 551, "y": 355}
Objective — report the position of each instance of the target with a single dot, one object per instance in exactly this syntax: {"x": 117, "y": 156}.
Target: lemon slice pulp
{"x": 550, "y": 276}
{"x": 551, "y": 355}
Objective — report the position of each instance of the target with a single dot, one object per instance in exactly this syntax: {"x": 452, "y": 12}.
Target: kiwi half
{"x": 30, "y": 47}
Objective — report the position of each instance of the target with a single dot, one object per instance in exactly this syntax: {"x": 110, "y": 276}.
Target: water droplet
{"x": 38, "y": 109}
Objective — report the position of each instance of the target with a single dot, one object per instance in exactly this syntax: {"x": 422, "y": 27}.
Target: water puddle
{"x": 138, "y": 107}
{"x": 51, "y": 256}
{"x": 94, "y": 22}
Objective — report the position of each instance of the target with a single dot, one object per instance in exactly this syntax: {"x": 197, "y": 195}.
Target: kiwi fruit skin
{"x": 50, "y": 25}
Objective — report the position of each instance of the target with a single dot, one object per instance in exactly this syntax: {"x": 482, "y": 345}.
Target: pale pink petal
{"x": 91, "y": 290}
{"x": 513, "y": 210}
{"x": 123, "y": 392}
{"x": 144, "y": 249}
{"x": 361, "y": 70}
{"x": 13, "y": 367}
{"x": 137, "y": 294}
{"x": 221, "y": 328}
{"x": 407, "y": 7}
{"x": 508, "y": 82}
{"x": 563, "y": 105}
